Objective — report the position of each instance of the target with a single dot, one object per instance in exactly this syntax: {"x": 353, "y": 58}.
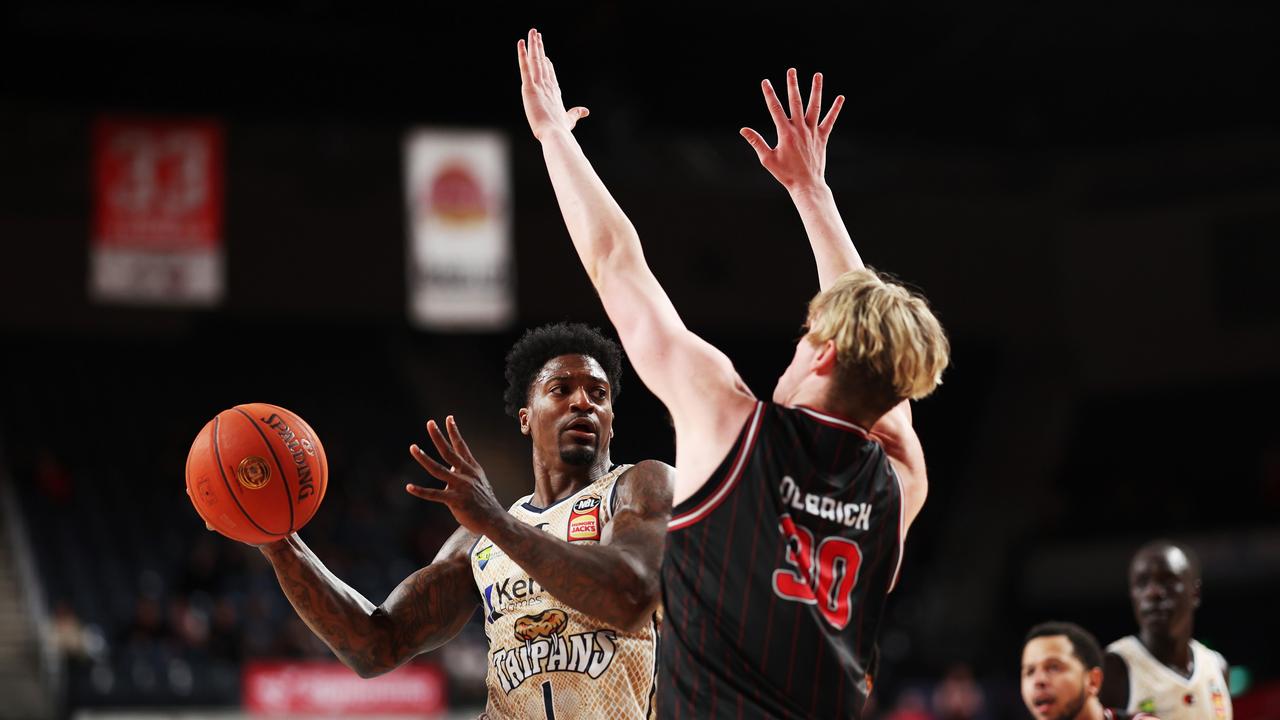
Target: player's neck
{"x": 816, "y": 394}
{"x": 1092, "y": 710}
{"x": 557, "y": 480}
{"x": 1172, "y": 650}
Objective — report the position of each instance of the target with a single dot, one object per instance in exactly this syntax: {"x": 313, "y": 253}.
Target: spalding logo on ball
{"x": 256, "y": 473}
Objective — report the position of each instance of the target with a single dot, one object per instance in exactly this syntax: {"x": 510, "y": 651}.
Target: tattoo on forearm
{"x": 426, "y": 609}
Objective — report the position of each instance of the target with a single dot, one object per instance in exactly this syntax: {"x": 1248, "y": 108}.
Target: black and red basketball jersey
{"x": 776, "y": 573}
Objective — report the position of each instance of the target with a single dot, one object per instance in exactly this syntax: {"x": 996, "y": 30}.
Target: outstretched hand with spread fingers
{"x": 467, "y": 491}
{"x": 543, "y": 106}
{"x": 800, "y": 158}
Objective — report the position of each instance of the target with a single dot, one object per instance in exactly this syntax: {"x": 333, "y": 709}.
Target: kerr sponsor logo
{"x": 510, "y": 593}
{"x": 546, "y": 648}
{"x": 856, "y": 515}
{"x": 584, "y": 521}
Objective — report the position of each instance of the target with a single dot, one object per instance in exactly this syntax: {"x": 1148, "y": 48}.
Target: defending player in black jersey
{"x": 789, "y": 518}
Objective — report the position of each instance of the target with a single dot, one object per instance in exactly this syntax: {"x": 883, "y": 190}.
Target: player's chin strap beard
{"x": 578, "y": 455}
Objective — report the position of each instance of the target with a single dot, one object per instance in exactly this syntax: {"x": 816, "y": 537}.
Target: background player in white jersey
{"x": 1061, "y": 675}
{"x": 569, "y": 608}
{"x": 871, "y": 346}
{"x": 1163, "y": 669}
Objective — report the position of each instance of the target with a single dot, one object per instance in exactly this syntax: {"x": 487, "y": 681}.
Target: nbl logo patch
{"x": 584, "y": 521}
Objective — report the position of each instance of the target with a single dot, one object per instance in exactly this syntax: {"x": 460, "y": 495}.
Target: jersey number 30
{"x": 822, "y": 575}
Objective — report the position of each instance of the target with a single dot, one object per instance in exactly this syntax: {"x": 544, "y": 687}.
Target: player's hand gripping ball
{"x": 256, "y": 473}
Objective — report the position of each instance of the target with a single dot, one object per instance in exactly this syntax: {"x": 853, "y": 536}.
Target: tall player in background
{"x": 787, "y": 531}
{"x": 568, "y": 578}
{"x": 1163, "y": 669}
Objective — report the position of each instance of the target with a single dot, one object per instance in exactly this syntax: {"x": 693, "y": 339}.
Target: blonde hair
{"x": 887, "y": 341}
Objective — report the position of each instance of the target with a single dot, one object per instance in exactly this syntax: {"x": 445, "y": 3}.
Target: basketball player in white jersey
{"x": 567, "y": 579}
{"x": 1162, "y": 669}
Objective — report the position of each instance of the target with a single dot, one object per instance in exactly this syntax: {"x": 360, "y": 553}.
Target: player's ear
{"x": 824, "y": 358}
{"x": 1093, "y": 681}
{"x": 524, "y": 421}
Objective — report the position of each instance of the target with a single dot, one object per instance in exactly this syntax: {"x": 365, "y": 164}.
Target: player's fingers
{"x": 551, "y": 72}
{"x": 793, "y": 95}
{"x": 433, "y": 468}
{"x": 425, "y": 493}
{"x": 815, "y": 101}
{"x": 531, "y": 57}
{"x": 459, "y": 444}
{"x": 832, "y": 114}
{"x": 539, "y": 51}
{"x": 443, "y": 446}
{"x": 772, "y": 102}
{"x": 522, "y": 58}
{"x": 757, "y": 142}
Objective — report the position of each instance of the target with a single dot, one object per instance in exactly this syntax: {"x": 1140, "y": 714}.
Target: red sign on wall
{"x": 330, "y": 688}
{"x": 157, "y": 211}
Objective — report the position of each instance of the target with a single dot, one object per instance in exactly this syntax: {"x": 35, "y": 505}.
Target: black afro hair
{"x": 541, "y": 344}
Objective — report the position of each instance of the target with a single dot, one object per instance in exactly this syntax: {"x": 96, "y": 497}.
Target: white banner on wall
{"x": 460, "y": 268}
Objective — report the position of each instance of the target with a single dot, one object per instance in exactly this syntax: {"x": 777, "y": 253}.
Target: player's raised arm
{"x": 425, "y": 611}
{"x": 799, "y": 162}
{"x": 694, "y": 380}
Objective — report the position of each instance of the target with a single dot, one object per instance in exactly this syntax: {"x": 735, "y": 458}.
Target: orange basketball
{"x": 256, "y": 473}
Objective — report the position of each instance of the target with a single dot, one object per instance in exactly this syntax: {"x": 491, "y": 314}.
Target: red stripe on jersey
{"x": 686, "y": 519}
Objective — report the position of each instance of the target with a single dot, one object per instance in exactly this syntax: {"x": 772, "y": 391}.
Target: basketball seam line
{"x": 288, "y": 494}
{"x": 217, "y": 454}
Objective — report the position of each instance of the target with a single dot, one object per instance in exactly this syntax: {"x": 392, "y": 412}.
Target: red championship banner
{"x": 459, "y": 256}
{"x": 330, "y": 689}
{"x": 157, "y": 212}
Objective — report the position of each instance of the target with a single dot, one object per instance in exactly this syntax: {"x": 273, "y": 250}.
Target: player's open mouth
{"x": 581, "y": 429}
{"x": 1156, "y": 612}
{"x": 1043, "y": 705}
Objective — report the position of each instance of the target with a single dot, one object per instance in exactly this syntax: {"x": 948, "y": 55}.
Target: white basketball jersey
{"x": 1155, "y": 688}
{"x": 547, "y": 660}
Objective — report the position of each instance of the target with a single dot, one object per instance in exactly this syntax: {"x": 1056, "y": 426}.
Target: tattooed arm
{"x": 424, "y": 612}
{"x": 616, "y": 581}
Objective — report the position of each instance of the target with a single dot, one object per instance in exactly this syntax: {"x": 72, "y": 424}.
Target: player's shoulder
{"x": 1123, "y": 646}
{"x": 646, "y": 485}
{"x": 1114, "y": 714}
{"x": 646, "y": 470}
{"x": 1214, "y": 655}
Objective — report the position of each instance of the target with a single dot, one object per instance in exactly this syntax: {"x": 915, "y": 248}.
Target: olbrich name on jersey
{"x": 848, "y": 514}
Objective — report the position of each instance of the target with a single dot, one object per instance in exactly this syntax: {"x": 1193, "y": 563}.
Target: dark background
{"x": 1089, "y": 194}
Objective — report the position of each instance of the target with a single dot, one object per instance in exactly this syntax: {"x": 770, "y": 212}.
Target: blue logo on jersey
{"x": 492, "y": 614}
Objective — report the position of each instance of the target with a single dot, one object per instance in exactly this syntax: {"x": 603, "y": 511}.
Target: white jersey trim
{"x": 902, "y": 526}
{"x": 706, "y": 506}
{"x": 832, "y": 420}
